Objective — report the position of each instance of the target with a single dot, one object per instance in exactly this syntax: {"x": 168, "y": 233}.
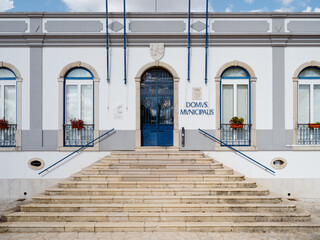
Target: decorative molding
{"x": 236, "y": 63}
{"x": 157, "y": 51}
{"x": 303, "y": 66}
{"x": 70, "y": 66}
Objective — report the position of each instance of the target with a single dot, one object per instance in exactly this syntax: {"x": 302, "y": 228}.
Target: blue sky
{"x": 162, "y": 5}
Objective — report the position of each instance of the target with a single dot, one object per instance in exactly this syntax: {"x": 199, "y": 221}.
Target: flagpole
{"x": 124, "y": 42}
{"x": 188, "y": 78}
{"x": 206, "y": 47}
{"x": 107, "y": 40}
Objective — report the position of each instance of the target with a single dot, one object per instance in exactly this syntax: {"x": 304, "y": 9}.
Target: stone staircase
{"x": 157, "y": 191}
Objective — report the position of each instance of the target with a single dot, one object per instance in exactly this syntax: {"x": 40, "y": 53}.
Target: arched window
{"x": 8, "y": 108}
{"x": 78, "y": 107}
{"x": 235, "y": 102}
{"x": 309, "y": 106}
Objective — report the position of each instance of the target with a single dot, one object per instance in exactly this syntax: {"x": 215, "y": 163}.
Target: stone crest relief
{"x": 196, "y": 93}
{"x": 157, "y": 51}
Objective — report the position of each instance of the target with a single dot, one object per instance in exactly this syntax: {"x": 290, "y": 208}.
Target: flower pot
{"x": 314, "y": 125}
{"x": 3, "y": 126}
{"x": 236, "y": 125}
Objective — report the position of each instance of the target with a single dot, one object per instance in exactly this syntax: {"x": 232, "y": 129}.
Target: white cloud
{"x": 285, "y": 9}
{"x": 249, "y": 1}
{"x": 136, "y": 5}
{"x": 259, "y": 10}
{"x": 229, "y": 8}
{"x": 6, "y": 5}
{"x": 308, "y": 9}
{"x": 286, "y": 2}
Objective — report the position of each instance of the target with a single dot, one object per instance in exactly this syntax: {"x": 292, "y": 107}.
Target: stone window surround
{"x": 61, "y": 80}
{"x": 253, "y": 80}
{"x": 295, "y": 81}
{"x": 18, "y": 105}
{"x": 176, "y": 79}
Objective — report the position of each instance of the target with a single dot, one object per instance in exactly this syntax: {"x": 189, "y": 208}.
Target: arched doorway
{"x": 157, "y": 108}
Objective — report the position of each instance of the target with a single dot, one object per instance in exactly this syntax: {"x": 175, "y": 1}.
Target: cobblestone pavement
{"x": 312, "y": 205}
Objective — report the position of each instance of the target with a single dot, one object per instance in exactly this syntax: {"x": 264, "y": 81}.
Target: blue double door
{"x": 157, "y": 108}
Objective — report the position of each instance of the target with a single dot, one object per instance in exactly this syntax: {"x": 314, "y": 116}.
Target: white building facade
{"x": 263, "y": 67}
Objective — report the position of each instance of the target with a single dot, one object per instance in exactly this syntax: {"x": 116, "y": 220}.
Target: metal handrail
{"x": 76, "y": 151}
{"x": 256, "y": 162}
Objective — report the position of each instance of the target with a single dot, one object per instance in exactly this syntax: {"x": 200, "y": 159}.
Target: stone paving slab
{"x": 312, "y": 205}
{"x": 159, "y": 236}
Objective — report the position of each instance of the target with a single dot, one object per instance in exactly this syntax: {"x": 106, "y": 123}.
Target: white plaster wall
{"x": 54, "y": 60}
{"x": 292, "y": 62}
{"x": 20, "y": 58}
{"x": 15, "y": 164}
{"x": 216, "y": 58}
{"x": 300, "y": 179}
{"x": 17, "y": 178}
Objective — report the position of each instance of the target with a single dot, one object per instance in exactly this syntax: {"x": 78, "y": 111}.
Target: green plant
{"x": 317, "y": 122}
{"x": 236, "y": 120}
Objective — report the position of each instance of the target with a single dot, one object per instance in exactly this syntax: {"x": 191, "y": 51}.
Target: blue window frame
{"x": 235, "y": 100}
{"x": 308, "y": 106}
{"x": 78, "y": 105}
{"x": 8, "y": 107}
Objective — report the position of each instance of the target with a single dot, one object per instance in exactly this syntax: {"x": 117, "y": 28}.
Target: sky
{"x": 160, "y": 5}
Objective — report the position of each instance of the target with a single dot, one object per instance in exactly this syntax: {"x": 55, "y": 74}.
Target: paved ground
{"x": 312, "y": 205}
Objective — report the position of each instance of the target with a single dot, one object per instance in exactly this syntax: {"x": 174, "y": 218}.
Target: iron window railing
{"x": 74, "y": 137}
{"x": 8, "y": 136}
{"x": 236, "y": 136}
{"x": 308, "y": 136}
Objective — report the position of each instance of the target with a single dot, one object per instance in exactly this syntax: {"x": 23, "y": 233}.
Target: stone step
{"x": 258, "y": 191}
{"x": 169, "y": 166}
{"x": 156, "y": 185}
{"x": 158, "y": 207}
{"x": 312, "y": 226}
{"x": 156, "y": 160}
{"x": 158, "y": 217}
{"x": 158, "y": 199}
{"x": 180, "y": 178}
{"x": 157, "y": 154}
{"x": 222, "y": 171}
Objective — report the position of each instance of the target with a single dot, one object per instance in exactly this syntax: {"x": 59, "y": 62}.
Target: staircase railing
{"x": 79, "y": 149}
{"x": 241, "y": 153}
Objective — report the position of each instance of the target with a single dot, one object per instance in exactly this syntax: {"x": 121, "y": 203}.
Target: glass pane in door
{"x": 227, "y": 103}
{"x": 10, "y": 104}
{"x": 242, "y": 103}
{"x": 316, "y": 103}
{"x": 71, "y": 103}
{"x": 304, "y": 104}
{"x": 87, "y": 104}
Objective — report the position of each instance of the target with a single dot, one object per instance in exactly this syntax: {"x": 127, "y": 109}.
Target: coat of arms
{"x": 157, "y": 51}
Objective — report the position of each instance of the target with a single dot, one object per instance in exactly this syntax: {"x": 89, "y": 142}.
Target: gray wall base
{"x": 118, "y": 140}
{"x": 13, "y": 189}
